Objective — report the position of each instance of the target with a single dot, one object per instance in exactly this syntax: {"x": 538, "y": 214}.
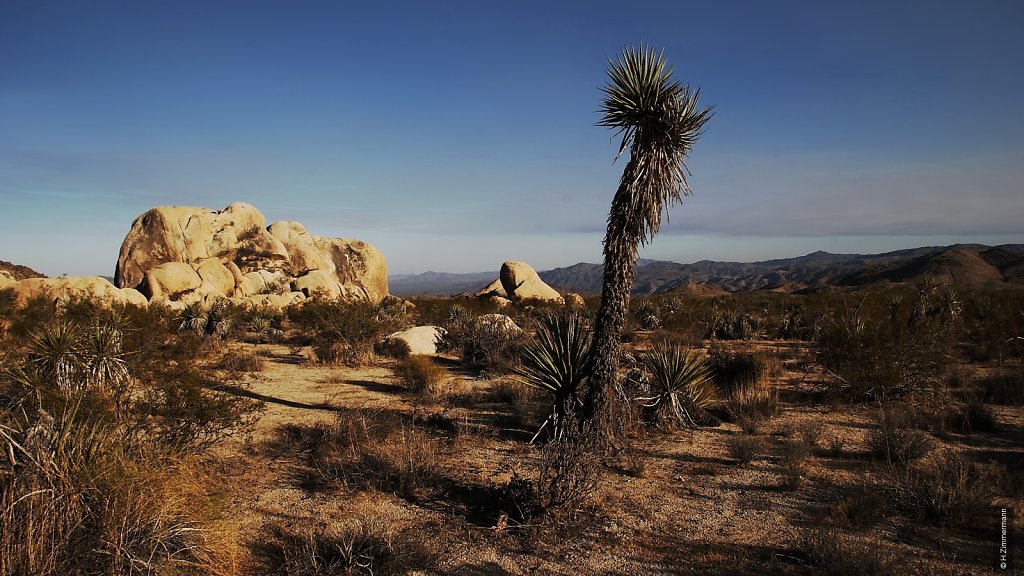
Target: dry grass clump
{"x": 809, "y": 432}
{"x": 422, "y": 376}
{"x": 894, "y": 441}
{"x": 744, "y": 381}
{"x": 948, "y": 489}
{"x": 368, "y": 449}
{"x": 859, "y": 507}
{"x": 744, "y": 448}
{"x": 362, "y": 546}
{"x": 76, "y": 497}
{"x": 793, "y": 461}
{"x": 238, "y": 361}
{"x": 833, "y": 554}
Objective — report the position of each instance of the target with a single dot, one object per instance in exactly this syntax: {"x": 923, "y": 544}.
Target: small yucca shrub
{"x": 55, "y": 354}
{"x": 558, "y": 362}
{"x": 680, "y": 381}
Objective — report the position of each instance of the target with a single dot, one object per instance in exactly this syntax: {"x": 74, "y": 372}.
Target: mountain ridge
{"x": 958, "y": 264}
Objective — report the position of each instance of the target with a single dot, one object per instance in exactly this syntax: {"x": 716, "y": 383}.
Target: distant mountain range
{"x": 960, "y": 264}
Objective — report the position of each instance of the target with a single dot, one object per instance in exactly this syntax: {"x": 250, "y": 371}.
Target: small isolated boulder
{"x": 498, "y": 322}
{"x": 418, "y": 340}
{"x": 521, "y": 282}
{"x": 171, "y": 279}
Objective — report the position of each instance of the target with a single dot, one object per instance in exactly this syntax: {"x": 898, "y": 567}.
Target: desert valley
{"x": 250, "y": 399}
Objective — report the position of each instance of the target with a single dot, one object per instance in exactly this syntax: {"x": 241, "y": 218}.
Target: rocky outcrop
{"x": 521, "y": 282}
{"x": 71, "y": 288}
{"x": 187, "y": 254}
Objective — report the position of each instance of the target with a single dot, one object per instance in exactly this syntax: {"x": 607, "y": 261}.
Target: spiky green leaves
{"x": 659, "y": 120}
{"x": 558, "y": 360}
{"x": 680, "y": 380}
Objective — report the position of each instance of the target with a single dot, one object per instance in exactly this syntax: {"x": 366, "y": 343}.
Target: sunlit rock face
{"x": 190, "y": 254}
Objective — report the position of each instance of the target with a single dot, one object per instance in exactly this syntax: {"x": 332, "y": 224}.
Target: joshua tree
{"x": 659, "y": 121}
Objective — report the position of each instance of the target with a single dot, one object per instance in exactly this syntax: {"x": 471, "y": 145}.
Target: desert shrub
{"x": 833, "y": 554}
{"x": 361, "y": 546}
{"x": 567, "y": 475}
{"x": 948, "y": 489}
{"x": 492, "y": 345}
{"x": 809, "y": 432}
{"x": 80, "y": 496}
{"x": 879, "y": 352}
{"x": 992, "y": 325}
{"x": 894, "y": 441}
{"x": 184, "y": 412}
{"x": 744, "y": 448}
{"x": 365, "y": 449}
{"x": 32, "y": 314}
{"x": 680, "y": 384}
{"x": 1005, "y": 386}
{"x": 558, "y": 362}
{"x": 859, "y": 507}
{"x": 235, "y": 361}
{"x": 421, "y": 375}
{"x": 793, "y": 462}
{"x": 345, "y": 333}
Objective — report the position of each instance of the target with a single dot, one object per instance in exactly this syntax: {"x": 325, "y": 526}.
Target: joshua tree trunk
{"x": 621, "y": 241}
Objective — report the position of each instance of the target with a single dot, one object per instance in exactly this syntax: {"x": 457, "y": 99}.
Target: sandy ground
{"x": 692, "y": 509}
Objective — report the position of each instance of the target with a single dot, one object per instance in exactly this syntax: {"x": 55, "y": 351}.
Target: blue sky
{"x": 457, "y": 135}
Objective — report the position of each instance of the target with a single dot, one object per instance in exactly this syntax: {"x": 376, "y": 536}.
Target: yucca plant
{"x": 680, "y": 381}
{"x": 648, "y": 315}
{"x": 193, "y": 319}
{"x": 55, "y": 352}
{"x": 558, "y": 361}
{"x": 104, "y": 362}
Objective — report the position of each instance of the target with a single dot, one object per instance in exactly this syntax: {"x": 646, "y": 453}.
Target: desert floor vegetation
{"x": 136, "y": 443}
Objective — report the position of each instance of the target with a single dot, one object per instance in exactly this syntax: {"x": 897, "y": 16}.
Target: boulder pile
{"x": 186, "y": 254}
{"x": 179, "y": 255}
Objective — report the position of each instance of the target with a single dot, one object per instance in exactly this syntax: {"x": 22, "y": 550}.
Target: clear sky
{"x": 457, "y": 135}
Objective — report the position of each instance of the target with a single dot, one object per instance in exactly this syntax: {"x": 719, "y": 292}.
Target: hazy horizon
{"x": 457, "y": 136}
